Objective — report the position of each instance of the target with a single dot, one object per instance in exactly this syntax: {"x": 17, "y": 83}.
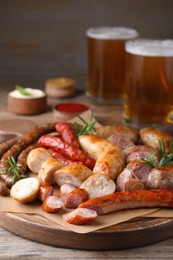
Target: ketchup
{"x": 66, "y": 111}
{"x": 71, "y": 107}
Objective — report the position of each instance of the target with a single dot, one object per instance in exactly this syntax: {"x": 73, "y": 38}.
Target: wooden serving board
{"x": 135, "y": 233}
{"x": 130, "y": 234}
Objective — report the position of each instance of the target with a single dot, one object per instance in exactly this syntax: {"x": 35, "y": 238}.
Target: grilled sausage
{"x": 47, "y": 170}
{"x": 127, "y": 180}
{"x": 3, "y": 189}
{"x": 22, "y": 158}
{"x": 52, "y": 204}
{"x": 67, "y": 133}
{"x": 45, "y": 191}
{"x": 69, "y": 151}
{"x": 62, "y": 158}
{"x": 107, "y": 131}
{"x": 76, "y": 197}
{"x": 121, "y": 141}
{"x": 109, "y": 158}
{"x": 80, "y": 216}
{"x": 7, "y": 179}
{"x": 151, "y": 136}
{"x": 130, "y": 200}
{"x": 160, "y": 178}
{"x": 23, "y": 142}
{"x": 140, "y": 169}
{"x": 7, "y": 145}
{"x": 36, "y": 157}
{"x": 72, "y": 174}
{"x": 140, "y": 151}
{"x": 65, "y": 189}
{"x": 25, "y": 190}
{"x": 98, "y": 185}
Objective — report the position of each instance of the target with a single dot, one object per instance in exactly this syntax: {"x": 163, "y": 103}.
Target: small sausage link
{"x": 67, "y": 133}
{"x": 52, "y": 204}
{"x": 62, "y": 158}
{"x": 80, "y": 216}
{"x": 69, "y": 151}
{"x": 45, "y": 191}
{"x": 76, "y": 197}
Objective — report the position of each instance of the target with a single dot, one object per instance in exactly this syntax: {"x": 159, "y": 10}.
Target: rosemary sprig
{"x": 86, "y": 128}
{"x": 166, "y": 159}
{"x": 13, "y": 170}
{"x": 151, "y": 160}
{"x": 22, "y": 91}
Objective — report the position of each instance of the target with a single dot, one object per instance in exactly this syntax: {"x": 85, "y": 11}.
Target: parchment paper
{"x": 7, "y": 204}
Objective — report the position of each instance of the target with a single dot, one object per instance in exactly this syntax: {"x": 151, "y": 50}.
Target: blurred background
{"x": 40, "y": 39}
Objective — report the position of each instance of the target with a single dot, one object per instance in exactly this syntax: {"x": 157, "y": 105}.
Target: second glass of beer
{"x": 149, "y": 82}
{"x": 106, "y": 63}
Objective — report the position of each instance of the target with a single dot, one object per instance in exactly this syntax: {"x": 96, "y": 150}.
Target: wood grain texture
{"x": 15, "y": 247}
{"x": 47, "y": 38}
{"x": 131, "y": 234}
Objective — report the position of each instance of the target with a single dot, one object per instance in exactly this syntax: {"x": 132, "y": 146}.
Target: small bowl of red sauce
{"x": 66, "y": 111}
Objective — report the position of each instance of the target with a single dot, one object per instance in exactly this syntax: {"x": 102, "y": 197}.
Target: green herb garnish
{"x": 150, "y": 160}
{"x": 86, "y": 128}
{"x": 166, "y": 159}
{"x": 22, "y": 91}
{"x": 13, "y": 170}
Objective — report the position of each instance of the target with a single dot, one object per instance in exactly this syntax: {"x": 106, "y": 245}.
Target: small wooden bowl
{"x": 27, "y": 106}
{"x": 60, "y": 87}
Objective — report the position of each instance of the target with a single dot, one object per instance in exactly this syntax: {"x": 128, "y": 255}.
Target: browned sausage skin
{"x": 127, "y": 180}
{"x": 69, "y": 151}
{"x": 160, "y": 178}
{"x": 130, "y": 200}
{"x": 140, "y": 169}
{"x": 22, "y": 143}
{"x": 52, "y": 204}
{"x": 107, "y": 131}
{"x": 76, "y": 197}
{"x": 121, "y": 141}
{"x": 151, "y": 137}
{"x": 109, "y": 158}
{"x": 22, "y": 158}
{"x": 140, "y": 151}
{"x": 7, "y": 145}
{"x": 80, "y": 216}
{"x": 67, "y": 133}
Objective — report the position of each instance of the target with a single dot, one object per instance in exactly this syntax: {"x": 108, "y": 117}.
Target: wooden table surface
{"x": 14, "y": 247}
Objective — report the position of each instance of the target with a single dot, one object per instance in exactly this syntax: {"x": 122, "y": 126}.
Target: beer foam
{"x": 146, "y": 47}
{"x": 111, "y": 33}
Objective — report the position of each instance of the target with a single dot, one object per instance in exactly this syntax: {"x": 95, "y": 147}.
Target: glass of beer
{"x": 106, "y": 63}
{"x": 149, "y": 90}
